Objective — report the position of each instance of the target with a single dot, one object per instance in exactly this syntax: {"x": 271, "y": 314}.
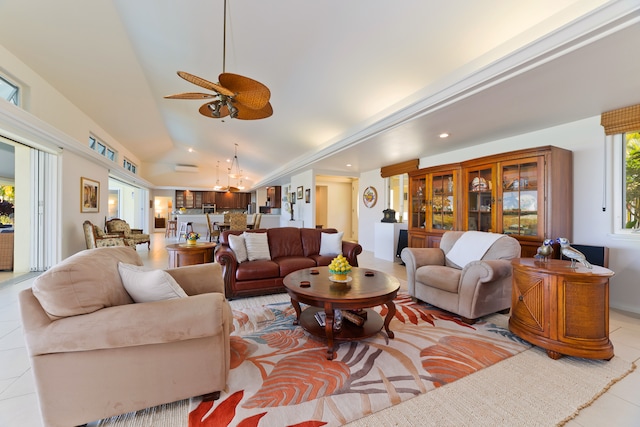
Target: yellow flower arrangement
{"x": 339, "y": 267}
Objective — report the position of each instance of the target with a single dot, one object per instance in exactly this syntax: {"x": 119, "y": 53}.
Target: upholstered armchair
{"x": 95, "y": 353}
{"x": 120, "y": 226}
{"x": 469, "y": 274}
{"x": 95, "y": 237}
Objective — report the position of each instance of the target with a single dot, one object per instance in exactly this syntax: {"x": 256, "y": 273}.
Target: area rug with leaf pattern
{"x": 280, "y": 375}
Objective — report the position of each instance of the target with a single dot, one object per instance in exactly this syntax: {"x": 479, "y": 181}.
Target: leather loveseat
{"x": 290, "y": 249}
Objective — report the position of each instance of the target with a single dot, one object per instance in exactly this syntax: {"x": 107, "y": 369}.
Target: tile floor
{"x": 620, "y": 406}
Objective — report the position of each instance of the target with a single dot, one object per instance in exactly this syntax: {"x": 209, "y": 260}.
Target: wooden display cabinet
{"x": 527, "y": 194}
{"x": 434, "y": 204}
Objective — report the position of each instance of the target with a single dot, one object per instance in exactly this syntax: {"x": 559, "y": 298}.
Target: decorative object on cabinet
{"x": 89, "y": 195}
{"x": 389, "y": 215}
{"x": 572, "y": 253}
{"x": 370, "y": 197}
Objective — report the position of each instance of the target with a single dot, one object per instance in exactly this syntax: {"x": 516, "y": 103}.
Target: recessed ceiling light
{"x": 444, "y": 135}
{"x": 190, "y": 150}
{"x": 348, "y": 165}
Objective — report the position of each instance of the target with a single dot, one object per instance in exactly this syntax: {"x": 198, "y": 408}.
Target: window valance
{"x": 399, "y": 168}
{"x": 622, "y": 120}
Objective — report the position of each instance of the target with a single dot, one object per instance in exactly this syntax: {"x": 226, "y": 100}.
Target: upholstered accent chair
{"x": 95, "y": 353}
{"x": 120, "y": 226}
{"x": 469, "y": 274}
{"x": 95, "y": 237}
{"x": 237, "y": 221}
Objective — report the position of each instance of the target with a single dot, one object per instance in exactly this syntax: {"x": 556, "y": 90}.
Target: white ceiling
{"x": 366, "y": 82}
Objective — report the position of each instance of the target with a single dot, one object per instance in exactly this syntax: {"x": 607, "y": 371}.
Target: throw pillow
{"x": 237, "y": 244}
{"x": 257, "y": 246}
{"x": 331, "y": 243}
{"x": 149, "y": 285}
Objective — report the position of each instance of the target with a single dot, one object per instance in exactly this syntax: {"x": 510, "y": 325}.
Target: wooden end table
{"x": 181, "y": 254}
{"x": 362, "y": 292}
{"x": 562, "y": 309}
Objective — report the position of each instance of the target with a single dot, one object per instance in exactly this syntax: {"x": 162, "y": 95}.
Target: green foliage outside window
{"x": 7, "y": 199}
{"x": 632, "y": 177}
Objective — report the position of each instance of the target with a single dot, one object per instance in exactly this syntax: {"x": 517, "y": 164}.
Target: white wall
{"x": 305, "y": 212}
{"x": 592, "y": 226}
{"x": 367, "y": 217}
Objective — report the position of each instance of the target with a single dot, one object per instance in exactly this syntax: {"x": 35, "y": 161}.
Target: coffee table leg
{"x": 328, "y": 329}
{"x": 391, "y": 307}
{"x": 296, "y": 307}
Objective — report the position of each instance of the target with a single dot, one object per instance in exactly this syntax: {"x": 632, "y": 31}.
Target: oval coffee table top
{"x": 362, "y": 288}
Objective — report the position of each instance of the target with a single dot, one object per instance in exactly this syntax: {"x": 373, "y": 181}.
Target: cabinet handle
{"x": 520, "y": 298}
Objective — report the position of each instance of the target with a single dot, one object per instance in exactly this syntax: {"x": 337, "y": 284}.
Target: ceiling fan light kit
{"x": 237, "y": 96}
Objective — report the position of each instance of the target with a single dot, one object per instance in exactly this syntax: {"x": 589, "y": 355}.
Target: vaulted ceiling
{"x": 364, "y": 82}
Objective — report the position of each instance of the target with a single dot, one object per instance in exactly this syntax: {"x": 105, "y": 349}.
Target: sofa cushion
{"x": 85, "y": 282}
{"x": 285, "y": 241}
{"x": 311, "y": 240}
{"x": 237, "y": 244}
{"x": 149, "y": 285}
{"x": 331, "y": 243}
{"x": 439, "y": 276}
{"x": 255, "y": 270}
{"x": 293, "y": 263}
{"x": 257, "y": 246}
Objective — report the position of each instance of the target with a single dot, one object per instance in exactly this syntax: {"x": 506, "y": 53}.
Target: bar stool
{"x": 172, "y": 228}
{"x": 185, "y": 228}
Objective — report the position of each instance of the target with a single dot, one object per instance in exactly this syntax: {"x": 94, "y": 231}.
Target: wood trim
{"x": 399, "y": 168}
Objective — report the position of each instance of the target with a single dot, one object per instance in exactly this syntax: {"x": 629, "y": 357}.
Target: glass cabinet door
{"x": 480, "y": 199}
{"x": 521, "y": 196}
{"x": 442, "y": 202}
{"x": 418, "y": 202}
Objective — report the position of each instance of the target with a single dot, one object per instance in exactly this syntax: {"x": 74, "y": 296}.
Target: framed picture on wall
{"x": 307, "y": 195}
{"x": 300, "y": 191}
{"x": 89, "y": 195}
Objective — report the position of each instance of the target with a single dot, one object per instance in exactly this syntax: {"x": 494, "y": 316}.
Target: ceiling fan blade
{"x": 206, "y": 111}
{"x": 205, "y": 83}
{"x": 248, "y": 92}
{"x": 251, "y": 114}
{"x": 191, "y": 95}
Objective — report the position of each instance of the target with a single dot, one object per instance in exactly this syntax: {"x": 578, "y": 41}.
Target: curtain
{"x": 622, "y": 120}
{"x": 44, "y": 217}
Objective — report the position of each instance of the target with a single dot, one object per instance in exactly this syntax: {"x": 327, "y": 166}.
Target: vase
{"x": 191, "y": 241}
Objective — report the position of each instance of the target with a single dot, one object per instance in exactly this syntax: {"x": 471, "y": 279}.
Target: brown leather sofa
{"x": 290, "y": 248}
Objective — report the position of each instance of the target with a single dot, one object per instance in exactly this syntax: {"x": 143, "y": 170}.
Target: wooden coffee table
{"x": 362, "y": 292}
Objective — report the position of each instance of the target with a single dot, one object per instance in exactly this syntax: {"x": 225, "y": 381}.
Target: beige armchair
{"x": 120, "y": 226}
{"x": 95, "y": 237}
{"x": 95, "y": 353}
{"x": 480, "y": 287}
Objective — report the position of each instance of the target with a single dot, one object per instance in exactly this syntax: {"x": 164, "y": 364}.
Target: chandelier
{"x": 233, "y": 172}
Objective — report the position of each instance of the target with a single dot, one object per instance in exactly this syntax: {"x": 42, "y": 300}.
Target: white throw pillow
{"x": 331, "y": 243}
{"x": 237, "y": 244}
{"x": 257, "y": 246}
{"x": 149, "y": 285}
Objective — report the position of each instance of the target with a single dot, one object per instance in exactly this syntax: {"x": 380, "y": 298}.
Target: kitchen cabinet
{"x": 274, "y": 196}
{"x": 527, "y": 194}
{"x": 223, "y": 200}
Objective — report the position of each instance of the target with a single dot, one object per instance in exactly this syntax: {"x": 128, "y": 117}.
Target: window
{"x": 631, "y": 186}
{"x": 128, "y": 165}
{"x": 102, "y": 148}
{"x": 9, "y": 91}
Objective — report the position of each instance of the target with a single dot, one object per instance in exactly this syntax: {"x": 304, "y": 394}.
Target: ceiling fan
{"x": 235, "y": 96}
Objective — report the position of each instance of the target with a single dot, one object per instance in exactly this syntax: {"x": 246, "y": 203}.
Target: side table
{"x": 562, "y": 309}
{"x": 181, "y": 254}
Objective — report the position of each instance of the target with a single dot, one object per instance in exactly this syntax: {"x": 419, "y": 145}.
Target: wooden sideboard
{"x": 182, "y": 254}
{"x": 562, "y": 309}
